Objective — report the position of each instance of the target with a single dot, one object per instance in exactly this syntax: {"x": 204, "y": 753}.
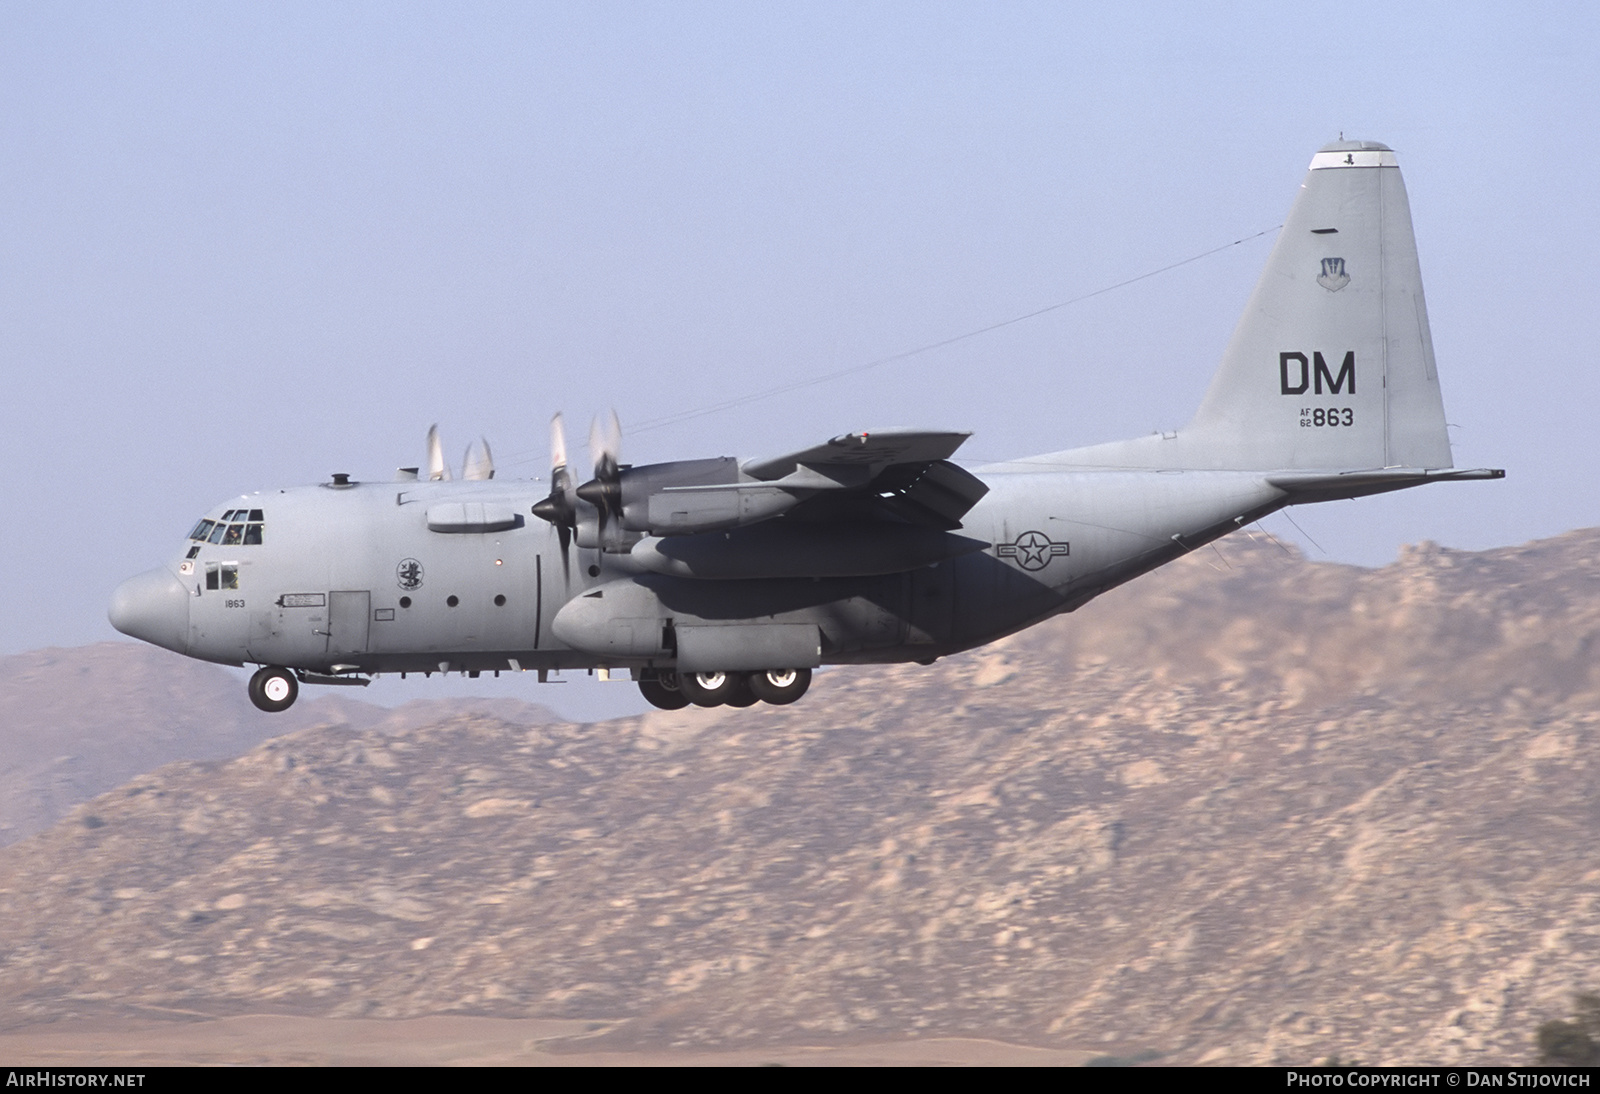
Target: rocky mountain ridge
{"x": 76, "y": 722}
{"x": 1249, "y": 809}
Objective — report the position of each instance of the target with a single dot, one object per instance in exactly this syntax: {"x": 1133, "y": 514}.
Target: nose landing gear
{"x": 274, "y": 689}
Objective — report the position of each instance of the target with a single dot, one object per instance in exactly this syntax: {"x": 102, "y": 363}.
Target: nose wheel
{"x": 274, "y": 689}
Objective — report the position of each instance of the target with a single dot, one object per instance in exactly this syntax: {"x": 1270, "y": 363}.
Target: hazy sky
{"x": 245, "y": 246}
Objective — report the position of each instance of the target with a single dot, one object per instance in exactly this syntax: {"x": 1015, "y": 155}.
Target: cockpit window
{"x": 232, "y": 528}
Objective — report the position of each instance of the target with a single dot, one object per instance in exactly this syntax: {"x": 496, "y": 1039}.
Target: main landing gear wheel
{"x": 780, "y": 686}
{"x": 741, "y": 695}
{"x": 661, "y": 690}
{"x": 274, "y": 689}
{"x": 713, "y": 689}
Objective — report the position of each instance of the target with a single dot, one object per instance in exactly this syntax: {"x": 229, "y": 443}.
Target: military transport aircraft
{"x": 726, "y": 581}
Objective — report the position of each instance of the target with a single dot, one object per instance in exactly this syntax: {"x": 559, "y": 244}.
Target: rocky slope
{"x": 1249, "y": 809}
{"x": 76, "y": 722}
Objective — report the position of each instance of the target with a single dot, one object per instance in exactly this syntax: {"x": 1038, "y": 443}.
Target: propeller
{"x": 478, "y": 464}
{"x": 560, "y": 508}
{"x": 604, "y": 491}
{"x": 437, "y": 471}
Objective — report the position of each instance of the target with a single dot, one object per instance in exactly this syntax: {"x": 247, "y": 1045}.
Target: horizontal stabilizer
{"x": 1305, "y": 486}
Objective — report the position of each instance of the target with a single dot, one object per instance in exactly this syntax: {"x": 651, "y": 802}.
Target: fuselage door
{"x": 349, "y": 615}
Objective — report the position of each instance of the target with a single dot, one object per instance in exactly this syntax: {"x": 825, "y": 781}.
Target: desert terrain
{"x": 1251, "y": 809}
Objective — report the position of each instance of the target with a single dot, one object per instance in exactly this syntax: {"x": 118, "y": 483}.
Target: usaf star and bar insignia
{"x": 1033, "y": 550}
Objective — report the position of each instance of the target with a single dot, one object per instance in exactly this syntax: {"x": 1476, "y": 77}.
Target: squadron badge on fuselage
{"x": 409, "y": 574}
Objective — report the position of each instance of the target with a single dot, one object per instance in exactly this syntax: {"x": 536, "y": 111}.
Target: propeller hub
{"x": 553, "y": 509}
{"x": 601, "y": 493}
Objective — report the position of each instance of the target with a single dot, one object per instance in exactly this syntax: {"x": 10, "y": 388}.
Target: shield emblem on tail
{"x": 1333, "y": 278}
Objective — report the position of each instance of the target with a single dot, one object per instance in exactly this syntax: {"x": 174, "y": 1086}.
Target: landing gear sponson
{"x": 676, "y": 690}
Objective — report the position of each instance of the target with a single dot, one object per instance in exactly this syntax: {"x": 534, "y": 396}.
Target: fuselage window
{"x": 222, "y": 575}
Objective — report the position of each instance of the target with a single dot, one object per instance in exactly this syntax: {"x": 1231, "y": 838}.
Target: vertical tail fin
{"x": 1331, "y": 365}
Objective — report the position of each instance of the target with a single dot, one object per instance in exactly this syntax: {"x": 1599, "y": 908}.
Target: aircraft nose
{"x": 153, "y": 607}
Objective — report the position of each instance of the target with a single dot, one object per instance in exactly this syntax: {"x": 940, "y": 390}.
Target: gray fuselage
{"x": 351, "y": 578}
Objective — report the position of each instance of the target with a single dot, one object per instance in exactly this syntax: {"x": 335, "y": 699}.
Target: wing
{"x": 898, "y": 475}
{"x": 875, "y": 450}
{"x": 905, "y": 473}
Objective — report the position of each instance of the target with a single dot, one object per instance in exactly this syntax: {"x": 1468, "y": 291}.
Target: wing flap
{"x": 878, "y": 449}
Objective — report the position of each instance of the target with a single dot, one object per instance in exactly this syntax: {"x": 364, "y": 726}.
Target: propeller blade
{"x": 597, "y": 448}
{"x": 605, "y": 446}
{"x": 478, "y": 464}
{"x": 558, "y": 442}
{"x": 560, "y": 475}
{"x": 613, "y": 437}
{"x": 437, "y": 471}
{"x": 560, "y": 508}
